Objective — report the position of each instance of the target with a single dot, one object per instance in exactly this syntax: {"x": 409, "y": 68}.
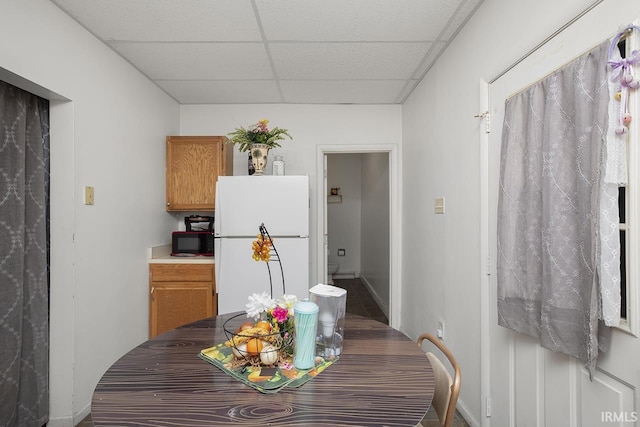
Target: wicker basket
{"x": 281, "y": 342}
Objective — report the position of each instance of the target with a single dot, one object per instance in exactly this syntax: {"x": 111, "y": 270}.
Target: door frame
{"x": 395, "y": 210}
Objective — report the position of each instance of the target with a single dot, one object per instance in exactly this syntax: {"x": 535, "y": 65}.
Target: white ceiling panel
{"x": 198, "y": 61}
{"x": 223, "y": 92}
{"x": 355, "y": 20}
{"x": 341, "y": 91}
{"x": 166, "y": 20}
{"x": 341, "y": 61}
{"x": 277, "y": 51}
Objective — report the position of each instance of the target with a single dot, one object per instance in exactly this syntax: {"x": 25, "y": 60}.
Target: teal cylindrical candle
{"x": 306, "y": 324}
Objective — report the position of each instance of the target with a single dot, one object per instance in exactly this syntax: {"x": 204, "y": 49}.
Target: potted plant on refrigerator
{"x": 258, "y": 139}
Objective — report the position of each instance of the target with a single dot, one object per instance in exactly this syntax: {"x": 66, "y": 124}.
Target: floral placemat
{"x": 263, "y": 379}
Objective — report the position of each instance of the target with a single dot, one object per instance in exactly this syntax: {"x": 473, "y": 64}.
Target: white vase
{"x": 259, "y": 154}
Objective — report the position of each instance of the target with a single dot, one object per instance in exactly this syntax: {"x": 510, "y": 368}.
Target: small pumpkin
{"x": 264, "y": 325}
{"x": 269, "y": 355}
{"x": 254, "y": 346}
{"x": 244, "y": 326}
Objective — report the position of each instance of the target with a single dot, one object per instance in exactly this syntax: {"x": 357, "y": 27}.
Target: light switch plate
{"x": 88, "y": 195}
{"x": 439, "y": 205}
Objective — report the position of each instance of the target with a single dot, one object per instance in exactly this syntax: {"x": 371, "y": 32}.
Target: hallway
{"x": 360, "y": 301}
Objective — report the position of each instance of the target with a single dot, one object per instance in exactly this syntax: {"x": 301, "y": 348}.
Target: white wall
{"x": 442, "y": 266}
{"x": 310, "y": 126}
{"x": 344, "y": 219}
{"x": 375, "y": 261}
{"x": 108, "y": 133}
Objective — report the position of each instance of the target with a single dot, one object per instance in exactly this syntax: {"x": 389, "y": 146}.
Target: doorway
{"x": 369, "y": 197}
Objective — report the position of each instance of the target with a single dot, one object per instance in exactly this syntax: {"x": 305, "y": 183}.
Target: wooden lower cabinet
{"x": 180, "y": 294}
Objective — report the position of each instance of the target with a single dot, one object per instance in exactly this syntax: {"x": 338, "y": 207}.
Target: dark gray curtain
{"x": 24, "y": 272}
{"x": 548, "y": 208}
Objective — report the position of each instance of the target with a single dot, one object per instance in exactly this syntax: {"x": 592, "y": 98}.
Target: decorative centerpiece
{"x": 259, "y": 347}
{"x": 258, "y": 139}
{"x": 266, "y": 339}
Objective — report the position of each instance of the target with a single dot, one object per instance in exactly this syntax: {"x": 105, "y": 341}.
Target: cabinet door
{"x": 180, "y": 294}
{"x": 177, "y": 303}
{"x": 193, "y": 166}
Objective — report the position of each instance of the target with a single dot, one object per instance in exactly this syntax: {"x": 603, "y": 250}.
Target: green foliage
{"x": 258, "y": 133}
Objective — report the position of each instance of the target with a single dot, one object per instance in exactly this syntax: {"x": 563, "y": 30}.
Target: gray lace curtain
{"x": 24, "y": 273}
{"x": 551, "y": 162}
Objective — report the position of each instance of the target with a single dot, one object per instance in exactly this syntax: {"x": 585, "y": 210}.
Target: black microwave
{"x": 192, "y": 243}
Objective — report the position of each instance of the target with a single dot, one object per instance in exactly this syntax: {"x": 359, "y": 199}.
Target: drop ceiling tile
{"x": 222, "y": 92}
{"x": 198, "y": 61}
{"x": 341, "y": 91}
{"x": 166, "y": 20}
{"x": 355, "y": 20}
{"x": 347, "y": 60}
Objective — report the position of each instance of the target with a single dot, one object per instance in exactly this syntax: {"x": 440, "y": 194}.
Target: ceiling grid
{"x": 277, "y": 51}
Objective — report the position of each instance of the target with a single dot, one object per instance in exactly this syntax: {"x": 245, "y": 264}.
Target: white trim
{"x": 62, "y": 322}
{"x": 394, "y": 216}
{"x": 485, "y": 261}
{"x": 632, "y": 322}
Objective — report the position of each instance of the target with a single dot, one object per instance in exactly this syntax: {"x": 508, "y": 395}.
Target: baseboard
{"x": 384, "y": 307}
{"x": 345, "y": 275}
{"x": 61, "y": 422}
{"x": 462, "y": 408}
{"x": 82, "y": 414}
{"x": 71, "y": 420}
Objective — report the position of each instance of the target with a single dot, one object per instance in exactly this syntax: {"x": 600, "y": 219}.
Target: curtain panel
{"x": 548, "y": 209}
{"x": 24, "y": 284}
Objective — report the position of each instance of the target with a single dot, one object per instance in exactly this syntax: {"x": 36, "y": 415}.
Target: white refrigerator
{"x": 243, "y": 203}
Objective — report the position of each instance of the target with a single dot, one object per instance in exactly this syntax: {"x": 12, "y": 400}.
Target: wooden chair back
{"x": 447, "y": 388}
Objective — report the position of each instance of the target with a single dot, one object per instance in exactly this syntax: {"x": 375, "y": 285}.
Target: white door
{"x": 531, "y": 386}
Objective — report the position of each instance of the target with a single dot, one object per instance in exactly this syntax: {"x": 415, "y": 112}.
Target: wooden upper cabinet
{"x": 193, "y": 166}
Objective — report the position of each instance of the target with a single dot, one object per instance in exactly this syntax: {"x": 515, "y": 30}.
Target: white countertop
{"x": 162, "y": 255}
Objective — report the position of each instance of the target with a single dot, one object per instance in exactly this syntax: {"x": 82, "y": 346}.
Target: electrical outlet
{"x": 88, "y": 195}
{"x": 342, "y": 252}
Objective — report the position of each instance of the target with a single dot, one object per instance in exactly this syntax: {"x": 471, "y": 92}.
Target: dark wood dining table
{"x": 382, "y": 378}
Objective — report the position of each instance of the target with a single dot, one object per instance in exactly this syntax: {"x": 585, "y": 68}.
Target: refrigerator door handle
{"x": 217, "y": 262}
{"x": 218, "y": 218}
